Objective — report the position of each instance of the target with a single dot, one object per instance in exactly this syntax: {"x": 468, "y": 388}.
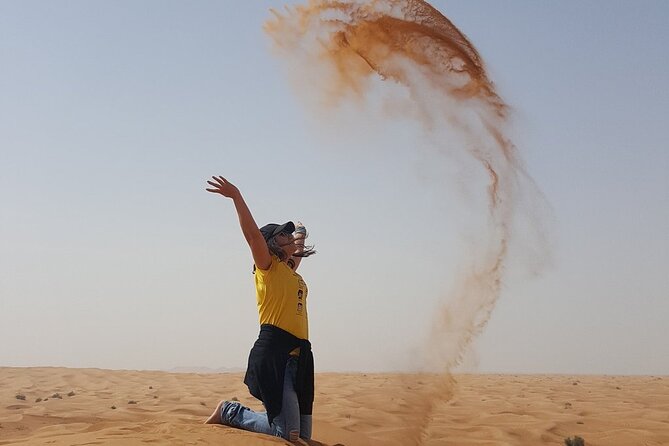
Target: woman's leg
{"x": 235, "y": 415}
{"x": 287, "y": 423}
{"x": 296, "y": 424}
{"x": 305, "y": 427}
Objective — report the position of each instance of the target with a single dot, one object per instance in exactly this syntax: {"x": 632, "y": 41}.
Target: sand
{"x": 105, "y": 407}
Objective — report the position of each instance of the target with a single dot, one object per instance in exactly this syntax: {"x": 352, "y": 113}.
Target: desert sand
{"x": 60, "y": 406}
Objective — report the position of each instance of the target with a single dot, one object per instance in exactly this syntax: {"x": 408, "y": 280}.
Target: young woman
{"x": 280, "y": 370}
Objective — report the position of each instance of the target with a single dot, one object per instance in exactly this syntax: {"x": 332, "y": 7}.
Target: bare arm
{"x": 300, "y": 236}
{"x": 259, "y": 250}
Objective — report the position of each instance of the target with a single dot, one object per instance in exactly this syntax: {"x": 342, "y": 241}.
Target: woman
{"x": 280, "y": 369}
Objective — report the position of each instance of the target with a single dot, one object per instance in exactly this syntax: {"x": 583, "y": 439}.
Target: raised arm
{"x": 300, "y": 236}
{"x": 259, "y": 249}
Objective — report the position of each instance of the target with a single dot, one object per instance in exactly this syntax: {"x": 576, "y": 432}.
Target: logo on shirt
{"x": 300, "y": 302}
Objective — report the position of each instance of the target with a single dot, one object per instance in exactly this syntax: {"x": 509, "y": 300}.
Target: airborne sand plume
{"x": 410, "y": 43}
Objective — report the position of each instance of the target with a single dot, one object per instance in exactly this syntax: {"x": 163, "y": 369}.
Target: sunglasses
{"x": 285, "y": 234}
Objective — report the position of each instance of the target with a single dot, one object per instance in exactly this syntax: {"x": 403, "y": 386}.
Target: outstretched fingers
{"x": 216, "y": 187}
{"x": 220, "y": 185}
{"x": 218, "y": 182}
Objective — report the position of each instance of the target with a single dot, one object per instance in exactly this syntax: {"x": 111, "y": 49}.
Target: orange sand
{"x": 350, "y": 409}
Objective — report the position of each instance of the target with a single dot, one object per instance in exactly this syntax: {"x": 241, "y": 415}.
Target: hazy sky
{"x": 112, "y": 255}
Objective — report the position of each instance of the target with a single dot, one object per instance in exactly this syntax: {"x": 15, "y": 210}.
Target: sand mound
{"x": 350, "y": 409}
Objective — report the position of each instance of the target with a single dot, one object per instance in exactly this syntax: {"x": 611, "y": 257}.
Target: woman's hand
{"x": 259, "y": 250}
{"x": 300, "y": 229}
{"x": 223, "y": 187}
{"x": 299, "y": 236}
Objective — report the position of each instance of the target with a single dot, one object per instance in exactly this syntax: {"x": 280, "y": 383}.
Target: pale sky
{"x": 112, "y": 255}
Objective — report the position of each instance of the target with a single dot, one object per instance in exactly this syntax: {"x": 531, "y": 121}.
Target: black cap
{"x": 270, "y": 230}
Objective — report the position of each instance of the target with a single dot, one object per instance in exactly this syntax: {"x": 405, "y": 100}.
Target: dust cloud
{"x": 409, "y": 43}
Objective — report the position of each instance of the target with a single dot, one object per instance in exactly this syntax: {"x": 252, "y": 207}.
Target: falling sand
{"x": 409, "y": 43}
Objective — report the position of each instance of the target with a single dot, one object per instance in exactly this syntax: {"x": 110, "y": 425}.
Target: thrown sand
{"x": 350, "y": 409}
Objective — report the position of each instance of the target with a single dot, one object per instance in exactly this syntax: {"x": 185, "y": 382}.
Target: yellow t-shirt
{"x": 282, "y": 298}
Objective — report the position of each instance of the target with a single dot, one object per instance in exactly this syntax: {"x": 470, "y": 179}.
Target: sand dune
{"x": 59, "y": 406}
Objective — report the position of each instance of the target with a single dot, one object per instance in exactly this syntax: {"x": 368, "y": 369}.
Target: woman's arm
{"x": 259, "y": 250}
{"x": 300, "y": 236}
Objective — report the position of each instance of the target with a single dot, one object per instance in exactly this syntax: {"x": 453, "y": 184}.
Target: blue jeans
{"x": 289, "y": 424}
